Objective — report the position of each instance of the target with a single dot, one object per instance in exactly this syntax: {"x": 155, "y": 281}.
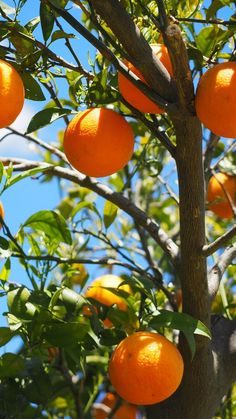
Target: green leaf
{"x": 32, "y": 24}
{"x": 46, "y": 117}
{"x": 47, "y": 20}
{"x": 72, "y": 298}
{"x": 181, "y": 321}
{"x": 5, "y": 251}
{"x": 1, "y": 171}
{"x": 7, "y": 9}
{"x": 52, "y": 224}
{"x": 23, "y": 175}
{"x": 5, "y": 272}
{"x": 208, "y": 39}
{"x": 215, "y": 6}
{"x": 5, "y": 335}
{"x": 16, "y": 301}
{"x": 60, "y": 35}
{"x": 11, "y": 365}
{"x": 183, "y": 8}
{"x": 110, "y": 337}
{"x": 65, "y": 334}
{"x": 33, "y": 90}
{"x": 85, "y": 205}
{"x": 109, "y": 213}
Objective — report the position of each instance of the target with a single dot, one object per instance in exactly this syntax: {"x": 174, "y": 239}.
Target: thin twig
{"x": 219, "y": 242}
{"x": 40, "y": 143}
{"x": 85, "y": 261}
{"x": 210, "y": 21}
{"x": 217, "y": 271}
{"x": 169, "y": 190}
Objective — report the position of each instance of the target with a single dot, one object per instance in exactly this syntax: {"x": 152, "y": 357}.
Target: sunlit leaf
{"x": 46, "y": 117}
{"x": 109, "y": 213}
{"x": 52, "y": 224}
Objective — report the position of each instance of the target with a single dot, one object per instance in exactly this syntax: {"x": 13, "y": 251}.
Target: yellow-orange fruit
{"x": 97, "y": 290}
{"x": 98, "y": 142}
{"x": 219, "y": 187}
{"x": 216, "y": 99}
{"x": 12, "y": 94}
{"x": 145, "y": 368}
{"x": 78, "y": 278}
{"x": 125, "y": 411}
{"x": 132, "y": 94}
{"x": 1, "y": 213}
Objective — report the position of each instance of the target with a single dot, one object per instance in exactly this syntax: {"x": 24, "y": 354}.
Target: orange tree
{"x": 150, "y": 222}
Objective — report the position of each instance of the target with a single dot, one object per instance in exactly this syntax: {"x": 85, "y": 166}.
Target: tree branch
{"x": 217, "y": 271}
{"x": 155, "y": 231}
{"x": 163, "y": 92}
{"x": 224, "y": 349}
{"x": 219, "y": 242}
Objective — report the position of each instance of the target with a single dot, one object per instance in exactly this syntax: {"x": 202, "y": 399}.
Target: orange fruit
{"x": 216, "y": 98}
{"x": 132, "y": 94}
{"x": 125, "y": 411}
{"x": 97, "y": 290}
{"x": 218, "y": 188}
{"x": 12, "y": 94}
{"x": 98, "y": 142}
{"x": 1, "y": 213}
{"x": 145, "y": 368}
{"x": 78, "y": 278}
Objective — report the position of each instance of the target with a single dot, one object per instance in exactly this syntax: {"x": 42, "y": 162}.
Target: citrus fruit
{"x": 145, "y": 368}
{"x": 132, "y": 94}
{"x": 98, "y": 290}
{"x": 219, "y": 187}
{"x": 79, "y": 277}
{"x": 98, "y": 142}
{"x": 1, "y": 213}
{"x": 125, "y": 411}
{"x": 12, "y": 94}
{"x": 216, "y": 99}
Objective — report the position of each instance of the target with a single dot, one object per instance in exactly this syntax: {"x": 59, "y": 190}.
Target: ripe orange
{"x": 1, "y": 213}
{"x": 218, "y": 188}
{"x": 145, "y": 368}
{"x": 98, "y": 142}
{"x": 12, "y": 94}
{"x": 132, "y": 94}
{"x": 97, "y": 290}
{"x": 125, "y": 411}
{"x": 216, "y": 98}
